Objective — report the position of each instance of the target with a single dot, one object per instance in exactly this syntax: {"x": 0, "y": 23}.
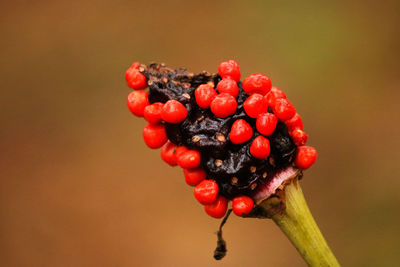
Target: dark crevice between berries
{"x": 231, "y": 166}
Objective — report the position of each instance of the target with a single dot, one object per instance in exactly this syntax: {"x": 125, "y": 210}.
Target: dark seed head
{"x": 230, "y": 165}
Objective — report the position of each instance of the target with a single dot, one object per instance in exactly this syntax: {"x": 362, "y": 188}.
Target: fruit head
{"x": 234, "y": 140}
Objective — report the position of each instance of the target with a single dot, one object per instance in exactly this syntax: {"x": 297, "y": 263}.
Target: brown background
{"x": 79, "y": 187}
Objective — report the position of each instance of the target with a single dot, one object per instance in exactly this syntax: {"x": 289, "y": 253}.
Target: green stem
{"x": 299, "y": 226}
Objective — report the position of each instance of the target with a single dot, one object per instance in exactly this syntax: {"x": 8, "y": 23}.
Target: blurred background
{"x": 78, "y": 186}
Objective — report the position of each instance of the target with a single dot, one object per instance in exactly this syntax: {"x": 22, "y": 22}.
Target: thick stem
{"x": 299, "y": 226}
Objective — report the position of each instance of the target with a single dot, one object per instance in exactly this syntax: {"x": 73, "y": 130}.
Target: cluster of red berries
{"x": 265, "y": 104}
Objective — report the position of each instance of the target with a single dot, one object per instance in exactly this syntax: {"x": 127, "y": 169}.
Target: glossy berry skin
{"x": 137, "y": 101}
{"x": 168, "y": 153}
{"x": 223, "y": 105}
{"x": 299, "y": 137}
{"x": 218, "y": 208}
{"x": 152, "y": 113}
{"x": 273, "y": 95}
{"x": 241, "y": 132}
{"x": 179, "y": 151}
{"x": 206, "y": 192}
{"x": 228, "y": 86}
{"x": 173, "y": 111}
{"x": 294, "y": 123}
{"x": 154, "y": 135}
{"x": 254, "y": 105}
{"x": 266, "y": 123}
{"x": 260, "y": 147}
{"x": 283, "y": 109}
{"x": 194, "y": 176}
{"x": 242, "y": 205}
{"x": 134, "y": 78}
{"x": 257, "y": 83}
{"x": 229, "y": 69}
{"x": 204, "y": 94}
{"x": 189, "y": 159}
{"x": 305, "y": 157}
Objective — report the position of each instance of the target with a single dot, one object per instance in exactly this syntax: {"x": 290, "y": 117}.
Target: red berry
{"x": 273, "y": 95}
{"x": 254, "y": 105}
{"x": 179, "y": 151}
{"x": 228, "y": 86}
{"x": 218, "y": 208}
{"x": 204, "y": 94}
{"x": 283, "y": 109}
{"x": 299, "y": 137}
{"x": 229, "y": 69}
{"x": 242, "y": 205}
{"x": 257, "y": 83}
{"x": 189, "y": 159}
{"x": 137, "y": 101}
{"x": 294, "y": 123}
{"x": 260, "y": 147}
{"x": 152, "y": 113}
{"x": 266, "y": 123}
{"x": 223, "y": 105}
{"x": 135, "y": 65}
{"x": 206, "y": 192}
{"x": 134, "y": 78}
{"x": 168, "y": 153}
{"x": 194, "y": 176}
{"x": 173, "y": 112}
{"x": 154, "y": 135}
{"x": 241, "y": 132}
{"x": 305, "y": 157}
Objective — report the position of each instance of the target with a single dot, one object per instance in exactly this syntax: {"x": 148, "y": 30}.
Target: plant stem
{"x": 299, "y": 226}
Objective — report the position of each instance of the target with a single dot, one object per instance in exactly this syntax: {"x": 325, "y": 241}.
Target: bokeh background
{"x": 78, "y": 187}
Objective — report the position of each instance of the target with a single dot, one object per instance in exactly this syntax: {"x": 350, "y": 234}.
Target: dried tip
{"x": 220, "y": 250}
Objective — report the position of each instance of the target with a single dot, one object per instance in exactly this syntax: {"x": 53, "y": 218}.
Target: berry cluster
{"x": 230, "y": 137}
